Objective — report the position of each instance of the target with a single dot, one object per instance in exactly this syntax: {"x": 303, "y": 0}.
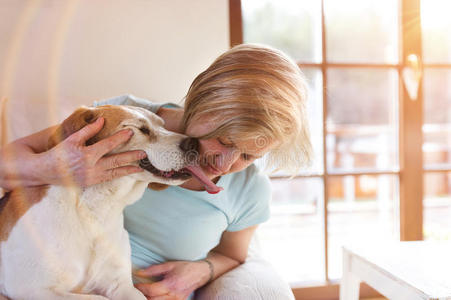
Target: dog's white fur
{"x": 72, "y": 244}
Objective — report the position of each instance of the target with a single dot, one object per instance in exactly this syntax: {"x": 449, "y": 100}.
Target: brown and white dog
{"x": 67, "y": 242}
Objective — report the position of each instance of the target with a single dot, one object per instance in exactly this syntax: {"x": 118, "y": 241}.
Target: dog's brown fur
{"x": 3, "y": 122}
{"x": 15, "y": 204}
{"x": 84, "y": 116}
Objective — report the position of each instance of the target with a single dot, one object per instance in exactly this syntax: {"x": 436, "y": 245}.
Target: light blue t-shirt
{"x": 180, "y": 224}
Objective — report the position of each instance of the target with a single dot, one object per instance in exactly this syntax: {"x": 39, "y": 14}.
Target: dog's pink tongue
{"x": 197, "y": 172}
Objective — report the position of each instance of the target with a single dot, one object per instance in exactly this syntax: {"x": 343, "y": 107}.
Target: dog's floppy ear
{"x": 77, "y": 120}
{"x": 157, "y": 186}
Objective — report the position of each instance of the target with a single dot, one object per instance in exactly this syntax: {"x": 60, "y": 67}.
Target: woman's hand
{"x": 72, "y": 161}
{"x": 26, "y": 161}
{"x": 180, "y": 279}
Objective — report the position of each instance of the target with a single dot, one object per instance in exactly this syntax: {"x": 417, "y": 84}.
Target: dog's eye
{"x": 246, "y": 156}
{"x": 145, "y": 130}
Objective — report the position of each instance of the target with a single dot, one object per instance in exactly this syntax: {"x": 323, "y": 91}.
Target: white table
{"x": 403, "y": 270}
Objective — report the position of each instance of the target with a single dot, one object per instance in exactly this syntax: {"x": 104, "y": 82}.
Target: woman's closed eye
{"x": 226, "y": 142}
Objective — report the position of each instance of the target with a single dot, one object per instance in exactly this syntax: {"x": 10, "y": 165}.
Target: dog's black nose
{"x": 189, "y": 144}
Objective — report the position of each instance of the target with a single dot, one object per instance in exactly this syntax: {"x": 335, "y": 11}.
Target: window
{"x": 369, "y": 127}
{"x": 436, "y": 26}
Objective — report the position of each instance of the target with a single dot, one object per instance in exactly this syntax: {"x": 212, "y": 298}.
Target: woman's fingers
{"x": 87, "y": 132}
{"x": 108, "y": 144}
{"x": 119, "y": 172}
{"x": 152, "y": 289}
{"x": 87, "y": 165}
{"x": 120, "y": 159}
{"x": 155, "y": 270}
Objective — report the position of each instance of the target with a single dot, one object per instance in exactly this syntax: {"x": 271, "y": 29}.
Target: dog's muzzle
{"x": 182, "y": 174}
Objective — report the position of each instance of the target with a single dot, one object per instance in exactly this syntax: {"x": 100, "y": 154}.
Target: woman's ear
{"x": 77, "y": 120}
{"x": 157, "y": 186}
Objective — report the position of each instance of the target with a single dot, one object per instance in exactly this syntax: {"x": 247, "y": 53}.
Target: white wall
{"x": 58, "y": 54}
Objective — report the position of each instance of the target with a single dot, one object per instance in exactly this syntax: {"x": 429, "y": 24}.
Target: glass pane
{"x": 437, "y": 206}
{"x": 291, "y": 26}
{"x": 437, "y": 117}
{"x": 315, "y": 114}
{"x": 436, "y": 28}
{"x": 362, "y": 210}
{"x": 293, "y": 238}
{"x": 362, "y": 119}
{"x": 364, "y": 31}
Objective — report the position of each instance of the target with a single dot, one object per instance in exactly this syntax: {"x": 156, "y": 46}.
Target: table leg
{"x": 350, "y": 283}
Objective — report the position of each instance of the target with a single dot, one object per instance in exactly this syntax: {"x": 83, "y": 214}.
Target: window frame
{"x": 411, "y": 170}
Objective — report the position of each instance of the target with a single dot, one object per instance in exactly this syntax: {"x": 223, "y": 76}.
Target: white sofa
{"x": 256, "y": 279}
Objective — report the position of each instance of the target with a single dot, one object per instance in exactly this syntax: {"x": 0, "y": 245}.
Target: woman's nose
{"x": 226, "y": 159}
{"x": 189, "y": 144}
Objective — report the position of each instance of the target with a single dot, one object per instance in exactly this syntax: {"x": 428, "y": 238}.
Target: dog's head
{"x": 168, "y": 153}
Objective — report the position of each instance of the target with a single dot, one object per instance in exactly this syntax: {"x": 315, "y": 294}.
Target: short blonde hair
{"x": 255, "y": 92}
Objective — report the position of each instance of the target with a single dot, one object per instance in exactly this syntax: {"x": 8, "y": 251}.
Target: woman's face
{"x": 223, "y": 155}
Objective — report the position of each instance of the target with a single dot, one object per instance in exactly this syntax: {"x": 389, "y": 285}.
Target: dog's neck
{"x": 108, "y": 199}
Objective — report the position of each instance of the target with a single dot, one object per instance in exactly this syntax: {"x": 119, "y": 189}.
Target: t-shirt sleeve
{"x": 134, "y": 101}
{"x": 253, "y": 206}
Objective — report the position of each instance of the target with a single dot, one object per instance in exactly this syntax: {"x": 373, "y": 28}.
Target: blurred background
{"x": 379, "y": 74}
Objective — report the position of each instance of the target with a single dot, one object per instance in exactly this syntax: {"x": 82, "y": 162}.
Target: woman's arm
{"x": 231, "y": 251}
{"x": 181, "y": 278}
{"x": 25, "y": 162}
{"x": 20, "y": 163}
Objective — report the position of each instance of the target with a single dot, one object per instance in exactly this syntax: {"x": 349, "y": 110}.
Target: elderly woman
{"x": 249, "y": 103}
